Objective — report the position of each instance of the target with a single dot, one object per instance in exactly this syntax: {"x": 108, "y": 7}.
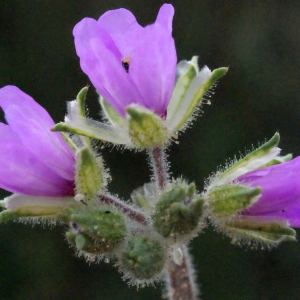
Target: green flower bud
{"x": 146, "y": 129}
{"x": 228, "y": 199}
{"x": 178, "y": 211}
{"x": 96, "y": 231}
{"x": 144, "y": 257}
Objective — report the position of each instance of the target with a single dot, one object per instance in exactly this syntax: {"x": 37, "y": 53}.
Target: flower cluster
{"x": 146, "y": 98}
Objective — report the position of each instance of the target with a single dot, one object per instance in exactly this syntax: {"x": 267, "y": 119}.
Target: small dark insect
{"x": 125, "y": 65}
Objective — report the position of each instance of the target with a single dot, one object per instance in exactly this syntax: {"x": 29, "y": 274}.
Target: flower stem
{"x": 130, "y": 211}
{"x": 160, "y": 167}
{"x": 180, "y": 279}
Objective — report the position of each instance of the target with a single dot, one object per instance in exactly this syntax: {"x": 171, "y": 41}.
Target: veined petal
{"x": 21, "y": 172}
{"x": 41, "y": 143}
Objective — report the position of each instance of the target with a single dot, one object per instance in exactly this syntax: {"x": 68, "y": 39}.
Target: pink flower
{"x": 33, "y": 160}
{"x": 128, "y": 63}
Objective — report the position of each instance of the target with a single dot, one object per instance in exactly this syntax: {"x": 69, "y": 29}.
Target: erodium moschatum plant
{"x": 148, "y": 99}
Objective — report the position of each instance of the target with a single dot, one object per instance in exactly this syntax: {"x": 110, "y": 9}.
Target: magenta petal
{"x": 43, "y": 144}
{"x": 21, "y": 172}
{"x": 280, "y": 191}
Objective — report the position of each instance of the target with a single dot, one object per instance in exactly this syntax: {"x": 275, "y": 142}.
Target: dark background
{"x": 260, "y": 42}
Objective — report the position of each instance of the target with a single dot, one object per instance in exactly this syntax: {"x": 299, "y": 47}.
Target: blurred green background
{"x": 258, "y": 40}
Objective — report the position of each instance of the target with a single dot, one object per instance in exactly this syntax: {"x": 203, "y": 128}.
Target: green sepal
{"x": 145, "y": 196}
{"x": 8, "y": 215}
{"x": 261, "y": 229}
{"x": 146, "y": 129}
{"x": 81, "y": 100}
{"x": 188, "y": 94}
{"x": 89, "y": 176}
{"x": 143, "y": 257}
{"x": 25, "y": 206}
{"x": 182, "y": 84}
{"x": 113, "y": 116}
{"x": 94, "y": 130}
{"x": 262, "y": 155}
{"x": 84, "y": 243}
{"x": 69, "y": 141}
{"x": 100, "y": 230}
{"x": 178, "y": 211}
{"x": 227, "y": 200}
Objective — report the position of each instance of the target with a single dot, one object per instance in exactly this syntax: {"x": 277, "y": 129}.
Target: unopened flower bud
{"x": 96, "y": 231}
{"x": 143, "y": 258}
{"x": 178, "y": 211}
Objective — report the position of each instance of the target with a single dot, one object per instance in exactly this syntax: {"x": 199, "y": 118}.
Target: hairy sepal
{"x": 146, "y": 129}
{"x": 227, "y": 200}
{"x": 89, "y": 176}
{"x": 111, "y": 114}
{"x": 20, "y": 206}
{"x": 77, "y": 124}
{"x": 261, "y": 231}
{"x": 189, "y": 91}
{"x": 254, "y": 160}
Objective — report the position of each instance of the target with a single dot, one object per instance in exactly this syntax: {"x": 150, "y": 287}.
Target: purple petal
{"x": 153, "y": 67}
{"x": 280, "y": 191}
{"x": 165, "y": 17}
{"x": 121, "y": 25}
{"x": 22, "y": 173}
{"x": 42, "y": 144}
{"x": 101, "y": 60}
{"x": 12, "y": 95}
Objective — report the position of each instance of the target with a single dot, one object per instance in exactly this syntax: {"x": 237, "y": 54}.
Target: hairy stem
{"x": 180, "y": 279}
{"x": 160, "y": 166}
{"x": 130, "y": 211}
